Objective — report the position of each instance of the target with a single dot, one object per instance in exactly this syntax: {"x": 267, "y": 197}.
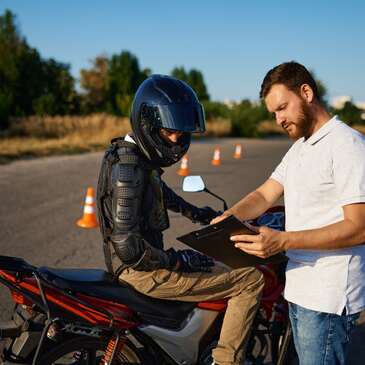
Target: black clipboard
{"x": 214, "y": 240}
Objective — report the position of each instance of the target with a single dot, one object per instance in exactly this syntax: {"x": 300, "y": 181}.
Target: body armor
{"x": 132, "y": 205}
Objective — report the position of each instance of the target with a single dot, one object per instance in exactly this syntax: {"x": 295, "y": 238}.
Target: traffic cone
{"x": 184, "y": 169}
{"x": 216, "y": 157}
{"x": 237, "y": 151}
{"x": 88, "y": 220}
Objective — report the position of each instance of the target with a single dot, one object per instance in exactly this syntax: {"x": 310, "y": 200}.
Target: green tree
{"x": 215, "y": 109}
{"x": 124, "y": 77}
{"x": 321, "y": 87}
{"x": 246, "y": 117}
{"x": 195, "y": 79}
{"x": 27, "y": 82}
{"x": 350, "y": 114}
{"x": 58, "y": 95}
{"x": 180, "y": 73}
{"x": 11, "y": 46}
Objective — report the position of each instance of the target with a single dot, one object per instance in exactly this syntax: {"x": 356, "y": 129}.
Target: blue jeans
{"x": 320, "y": 338}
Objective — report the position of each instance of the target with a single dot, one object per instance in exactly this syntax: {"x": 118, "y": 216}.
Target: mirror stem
{"x": 225, "y": 207}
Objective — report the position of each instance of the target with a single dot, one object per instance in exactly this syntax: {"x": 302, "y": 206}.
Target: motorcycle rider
{"x": 132, "y": 207}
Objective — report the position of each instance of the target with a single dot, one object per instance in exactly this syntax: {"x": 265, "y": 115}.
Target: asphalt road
{"x": 42, "y": 198}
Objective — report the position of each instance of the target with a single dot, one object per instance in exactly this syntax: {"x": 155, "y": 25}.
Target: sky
{"x": 233, "y": 43}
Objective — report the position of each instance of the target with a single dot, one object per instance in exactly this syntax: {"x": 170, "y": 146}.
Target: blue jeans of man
{"x": 321, "y": 338}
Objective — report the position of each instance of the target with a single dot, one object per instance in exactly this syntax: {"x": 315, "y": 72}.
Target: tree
{"x": 215, "y": 109}
{"x": 321, "y": 88}
{"x": 180, "y": 73}
{"x": 124, "y": 77}
{"x": 11, "y": 45}
{"x": 195, "y": 79}
{"x": 246, "y": 117}
{"x": 350, "y": 114}
{"x": 28, "y": 83}
{"x": 58, "y": 89}
{"x": 94, "y": 82}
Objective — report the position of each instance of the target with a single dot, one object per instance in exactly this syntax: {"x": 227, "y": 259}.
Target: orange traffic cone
{"x": 88, "y": 220}
{"x": 184, "y": 169}
{"x": 216, "y": 157}
{"x": 237, "y": 151}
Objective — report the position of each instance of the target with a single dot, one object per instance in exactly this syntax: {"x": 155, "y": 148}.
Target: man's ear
{"x": 307, "y": 93}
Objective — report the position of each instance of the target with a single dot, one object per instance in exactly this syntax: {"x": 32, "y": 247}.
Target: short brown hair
{"x": 290, "y": 74}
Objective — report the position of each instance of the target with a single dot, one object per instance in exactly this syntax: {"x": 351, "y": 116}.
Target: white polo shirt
{"x": 320, "y": 175}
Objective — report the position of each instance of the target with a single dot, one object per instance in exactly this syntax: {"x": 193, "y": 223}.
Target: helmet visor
{"x": 181, "y": 117}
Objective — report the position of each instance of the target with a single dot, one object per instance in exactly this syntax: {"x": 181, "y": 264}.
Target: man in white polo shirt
{"x": 322, "y": 177}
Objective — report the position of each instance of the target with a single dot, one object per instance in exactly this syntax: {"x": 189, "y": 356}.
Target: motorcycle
{"x": 86, "y": 317}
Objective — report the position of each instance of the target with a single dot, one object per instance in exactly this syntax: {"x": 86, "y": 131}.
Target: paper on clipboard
{"x": 214, "y": 240}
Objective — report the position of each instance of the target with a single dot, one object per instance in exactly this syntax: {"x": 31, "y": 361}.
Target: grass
{"x": 45, "y": 136}
{"x": 269, "y": 128}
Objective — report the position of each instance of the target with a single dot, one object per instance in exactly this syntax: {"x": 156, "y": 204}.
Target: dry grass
{"x": 360, "y": 128}
{"x": 99, "y": 126}
{"x": 218, "y": 127}
{"x": 43, "y": 136}
{"x": 269, "y": 127}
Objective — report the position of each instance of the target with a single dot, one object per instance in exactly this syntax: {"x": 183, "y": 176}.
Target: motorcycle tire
{"x": 90, "y": 351}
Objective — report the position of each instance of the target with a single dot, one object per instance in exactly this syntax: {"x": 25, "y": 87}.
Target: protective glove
{"x": 193, "y": 261}
{"x": 205, "y": 215}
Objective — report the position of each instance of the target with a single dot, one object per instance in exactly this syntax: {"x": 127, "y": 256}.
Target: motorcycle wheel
{"x": 90, "y": 351}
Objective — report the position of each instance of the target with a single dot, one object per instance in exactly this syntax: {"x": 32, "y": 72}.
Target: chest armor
{"x": 154, "y": 213}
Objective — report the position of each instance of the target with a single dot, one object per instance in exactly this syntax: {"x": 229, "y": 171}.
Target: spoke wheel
{"x": 89, "y": 351}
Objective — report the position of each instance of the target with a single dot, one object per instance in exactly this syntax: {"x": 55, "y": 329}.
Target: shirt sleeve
{"x": 349, "y": 171}
{"x": 280, "y": 171}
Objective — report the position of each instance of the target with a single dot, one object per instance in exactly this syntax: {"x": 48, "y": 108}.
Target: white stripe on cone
{"x": 88, "y": 209}
{"x": 217, "y": 154}
{"x": 89, "y": 200}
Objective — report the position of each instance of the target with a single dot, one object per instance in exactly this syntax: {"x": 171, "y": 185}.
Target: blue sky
{"x": 234, "y": 43}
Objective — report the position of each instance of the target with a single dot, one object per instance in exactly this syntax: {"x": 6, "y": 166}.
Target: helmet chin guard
{"x": 165, "y": 102}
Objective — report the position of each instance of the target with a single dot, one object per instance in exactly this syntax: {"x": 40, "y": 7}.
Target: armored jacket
{"x": 132, "y": 207}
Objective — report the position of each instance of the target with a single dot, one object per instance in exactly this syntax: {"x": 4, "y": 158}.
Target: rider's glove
{"x": 193, "y": 261}
{"x": 205, "y": 215}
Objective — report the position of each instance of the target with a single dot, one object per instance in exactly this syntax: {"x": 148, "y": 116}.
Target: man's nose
{"x": 280, "y": 119}
{"x": 175, "y": 136}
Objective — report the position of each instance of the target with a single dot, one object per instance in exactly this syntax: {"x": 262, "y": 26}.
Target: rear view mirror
{"x": 193, "y": 184}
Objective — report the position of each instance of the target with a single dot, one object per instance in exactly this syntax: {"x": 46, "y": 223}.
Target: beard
{"x": 303, "y": 126}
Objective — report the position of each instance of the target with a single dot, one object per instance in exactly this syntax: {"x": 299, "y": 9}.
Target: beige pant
{"x": 242, "y": 286}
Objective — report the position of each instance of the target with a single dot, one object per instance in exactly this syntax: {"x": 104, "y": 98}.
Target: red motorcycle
{"x": 86, "y": 317}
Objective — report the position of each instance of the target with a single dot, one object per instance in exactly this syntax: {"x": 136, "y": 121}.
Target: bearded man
{"x": 322, "y": 178}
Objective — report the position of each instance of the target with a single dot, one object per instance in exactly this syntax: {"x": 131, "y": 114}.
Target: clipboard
{"x": 214, "y": 241}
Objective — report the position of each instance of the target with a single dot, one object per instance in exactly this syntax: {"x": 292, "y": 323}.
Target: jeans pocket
{"x": 351, "y": 324}
{"x": 293, "y": 311}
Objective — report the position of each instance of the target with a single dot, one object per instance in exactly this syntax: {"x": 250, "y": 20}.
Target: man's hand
{"x": 220, "y": 217}
{"x": 267, "y": 242}
{"x": 206, "y": 214}
{"x": 193, "y": 261}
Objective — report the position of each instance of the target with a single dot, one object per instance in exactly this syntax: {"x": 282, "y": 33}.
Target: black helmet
{"x": 165, "y": 102}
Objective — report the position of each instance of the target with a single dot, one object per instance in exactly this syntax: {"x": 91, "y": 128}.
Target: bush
{"x": 246, "y": 118}
{"x": 215, "y": 109}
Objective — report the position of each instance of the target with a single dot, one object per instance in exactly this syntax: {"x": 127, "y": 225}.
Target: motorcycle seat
{"x": 100, "y": 284}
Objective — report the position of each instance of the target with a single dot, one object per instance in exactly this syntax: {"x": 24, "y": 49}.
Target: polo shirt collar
{"x": 323, "y": 131}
